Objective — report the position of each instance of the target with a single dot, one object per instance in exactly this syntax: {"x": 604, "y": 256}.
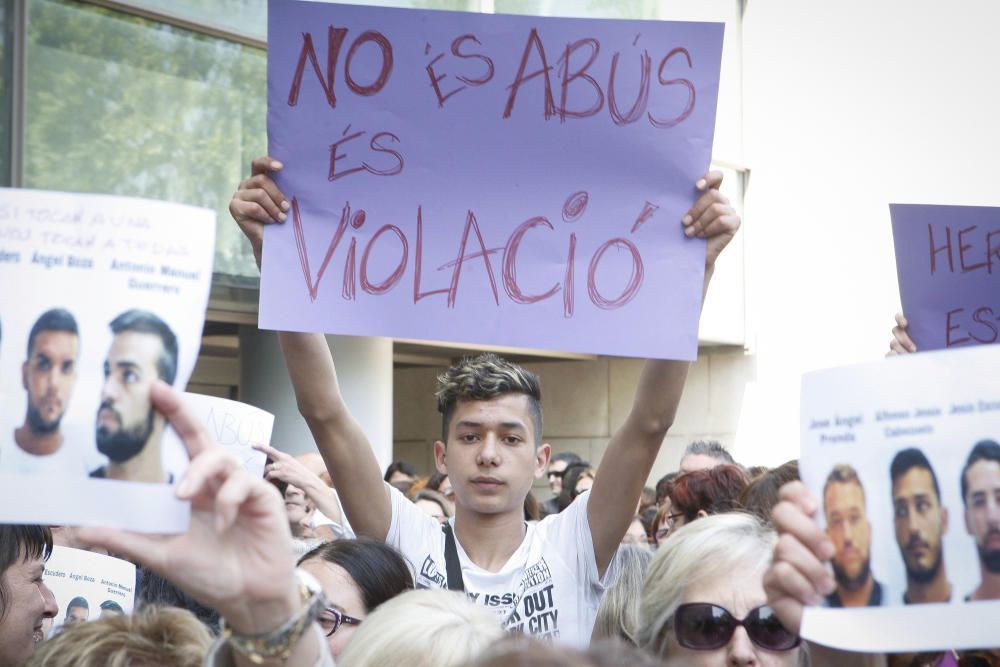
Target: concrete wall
{"x": 584, "y": 402}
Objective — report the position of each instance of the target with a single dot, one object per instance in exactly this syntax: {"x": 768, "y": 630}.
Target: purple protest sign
{"x": 948, "y": 263}
{"x": 488, "y": 179}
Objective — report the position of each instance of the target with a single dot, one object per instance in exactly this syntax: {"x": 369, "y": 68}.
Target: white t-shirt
{"x": 72, "y": 459}
{"x": 548, "y": 588}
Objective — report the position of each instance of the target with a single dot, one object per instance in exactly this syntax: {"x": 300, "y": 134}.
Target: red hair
{"x": 713, "y": 491}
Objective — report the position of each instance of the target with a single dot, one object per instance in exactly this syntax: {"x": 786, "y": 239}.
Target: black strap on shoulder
{"x": 451, "y": 562}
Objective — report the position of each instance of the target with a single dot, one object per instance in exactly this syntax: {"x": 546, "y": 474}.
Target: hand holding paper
{"x": 235, "y": 555}
{"x": 901, "y": 342}
{"x": 798, "y": 575}
{"x": 712, "y": 217}
{"x": 258, "y": 201}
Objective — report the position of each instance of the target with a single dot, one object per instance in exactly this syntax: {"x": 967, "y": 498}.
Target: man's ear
{"x": 702, "y": 514}
{"x": 944, "y": 520}
{"x": 542, "y": 456}
{"x": 24, "y": 376}
{"x": 440, "y": 455}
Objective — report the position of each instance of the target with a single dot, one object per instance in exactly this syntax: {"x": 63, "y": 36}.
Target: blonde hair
{"x": 483, "y": 378}
{"x": 618, "y": 615}
{"x": 708, "y": 548}
{"x": 154, "y": 635}
{"x": 423, "y": 628}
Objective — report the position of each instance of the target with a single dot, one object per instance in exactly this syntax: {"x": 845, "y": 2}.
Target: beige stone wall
{"x": 585, "y": 401}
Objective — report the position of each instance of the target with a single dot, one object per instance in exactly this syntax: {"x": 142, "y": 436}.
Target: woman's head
{"x": 153, "y": 636}
{"x": 718, "y": 560}
{"x": 710, "y": 491}
{"x": 357, "y": 576}
{"x": 433, "y": 504}
{"x": 423, "y": 628}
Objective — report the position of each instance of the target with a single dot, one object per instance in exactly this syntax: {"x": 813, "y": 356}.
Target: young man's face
{"x": 982, "y": 511}
{"x": 125, "y": 418}
{"x": 920, "y": 523}
{"x": 848, "y": 528}
{"x": 48, "y": 376}
{"x": 490, "y": 456}
{"x": 76, "y": 615}
{"x": 29, "y": 604}
{"x": 296, "y": 505}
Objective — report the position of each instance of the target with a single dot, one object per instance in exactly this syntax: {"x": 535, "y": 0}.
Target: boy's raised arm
{"x": 633, "y": 448}
{"x": 340, "y": 439}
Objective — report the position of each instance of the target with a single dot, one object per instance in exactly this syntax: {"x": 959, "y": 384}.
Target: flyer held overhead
{"x": 488, "y": 179}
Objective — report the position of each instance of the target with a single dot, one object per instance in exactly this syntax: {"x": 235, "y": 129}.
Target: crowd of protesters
{"x": 331, "y": 560}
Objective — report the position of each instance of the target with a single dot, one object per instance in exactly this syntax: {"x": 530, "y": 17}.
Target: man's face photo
{"x": 48, "y": 375}
{"x": 848, "y": 528}
{"x": 76, "y": 615}
{"x": 920, "y": 523}
{"x": 126, "y": 416}
{"x": 982, "y": 513}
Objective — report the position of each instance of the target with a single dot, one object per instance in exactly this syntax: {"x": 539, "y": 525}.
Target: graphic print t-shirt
{"x": 548, "y": 588}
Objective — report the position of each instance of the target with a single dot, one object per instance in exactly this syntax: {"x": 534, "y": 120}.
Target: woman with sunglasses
{"x": 703, "y": 600}
{"x": 357, "y": 576}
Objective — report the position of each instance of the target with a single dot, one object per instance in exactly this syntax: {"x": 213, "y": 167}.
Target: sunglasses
{"x": 705, "y": 627}
{"x": 331, "y": 619}
{"x": 556, "y": 473}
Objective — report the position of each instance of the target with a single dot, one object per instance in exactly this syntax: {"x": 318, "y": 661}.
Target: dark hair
{"x": 404, "y": 467}
{"x": 111, "y": 605}
{"x": 907, "y": 459}
{"x": 483, "y": 378}
{"x": 568, "y": 457}
{"x": 532, "y": 510}
{"x": 435, "y": 481}
{"x": 761, "y": 494}
{"x": 143, "y": 321}
{"x": 664, "y": 485}
{"x": 56, "y": 319}
{"x": 78, "y": 602}
{"x": 156, "y": 591}
{"x": 377, "y": 569}
{"x": 985, "y": 450}
{"x": 713, "y": 491}
{"x": 19, "y": 544}
{"x": 711, "y": 448}
{"x": 570, "y": 475}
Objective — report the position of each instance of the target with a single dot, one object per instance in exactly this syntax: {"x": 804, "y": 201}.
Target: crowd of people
{"x": 331, "y": 560}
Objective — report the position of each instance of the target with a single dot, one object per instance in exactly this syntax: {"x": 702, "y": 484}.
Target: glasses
{"x": 331, "y": 619}
{"x": 705, "y": 627}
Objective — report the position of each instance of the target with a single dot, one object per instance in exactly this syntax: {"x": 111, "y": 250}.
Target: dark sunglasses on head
{"x": 705, "y": 627}
{"x": 331, "y": 619}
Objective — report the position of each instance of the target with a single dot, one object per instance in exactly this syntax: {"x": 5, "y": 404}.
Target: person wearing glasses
{"x": 357, "y": 576}
{"x": 703, "y": 601}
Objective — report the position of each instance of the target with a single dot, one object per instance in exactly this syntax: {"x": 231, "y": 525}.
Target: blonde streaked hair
{"x": 154, "y": 635}
{"x": 482, "y": 378}
{"x": 422, "y": 628}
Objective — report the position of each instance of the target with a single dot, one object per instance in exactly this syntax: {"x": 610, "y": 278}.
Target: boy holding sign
{"x": 544, "y": 579}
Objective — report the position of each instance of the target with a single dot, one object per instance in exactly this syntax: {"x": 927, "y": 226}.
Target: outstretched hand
{"x": 236, "y": 555}
{"x": 286, "y": 468}
{"x": 797, "y": 575}
{"x": 258, "y": 201}
{"x": 901, "y": 342}
{"x": 712, "y": 217}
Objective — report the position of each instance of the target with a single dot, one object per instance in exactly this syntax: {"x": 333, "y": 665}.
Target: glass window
{"x": 248, "y": 17}
{"x": 6, "y": 87}
{"x": 121, "y": 105}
